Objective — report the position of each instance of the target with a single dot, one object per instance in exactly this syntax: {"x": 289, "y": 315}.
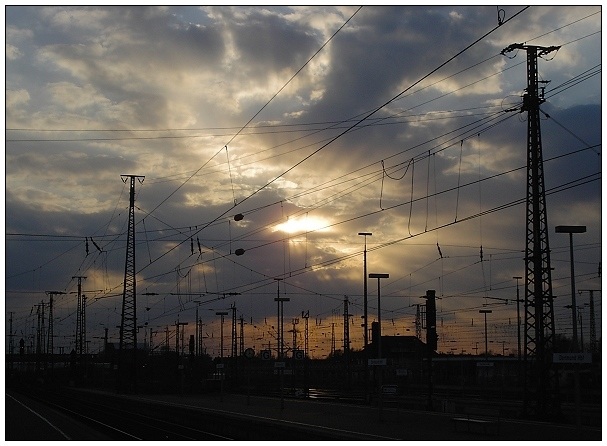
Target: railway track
{"x": 120, "y": 419}
{"x": 130, "y": 418}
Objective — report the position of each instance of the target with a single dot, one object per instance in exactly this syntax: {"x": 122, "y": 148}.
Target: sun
{"x": 303, "y": 224}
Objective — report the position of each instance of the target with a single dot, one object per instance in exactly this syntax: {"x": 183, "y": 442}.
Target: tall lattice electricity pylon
{"x": 127, "y": 368}
{"x": 541, "y": 381}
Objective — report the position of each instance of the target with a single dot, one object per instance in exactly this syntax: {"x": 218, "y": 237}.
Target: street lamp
{"x": 280, "y": 321}
{"x": 379, "y": 276}
{"x": 365, "y": 326}
{"x": 572, "y": 230}
{"x": 485, "y": 312}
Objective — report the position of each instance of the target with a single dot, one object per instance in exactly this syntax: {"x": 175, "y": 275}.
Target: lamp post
{"x": 379, "y": 276}
{"x": 365, "y": 326}
{"x": 574, "y": 230}
{"x": 485, "y": 312}
{"x": 280, "y": 321}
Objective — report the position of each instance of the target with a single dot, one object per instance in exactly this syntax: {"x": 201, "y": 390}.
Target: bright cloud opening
{"x": 303, "y": 224}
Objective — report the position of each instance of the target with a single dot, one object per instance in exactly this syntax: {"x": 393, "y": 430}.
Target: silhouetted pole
{"x": 518, "y": 324}
{"x": 198, "y": 337}
{"x": 379, "y": 276}
{"x": 11, "y": 347}
{"x": 365, "y": 298}
{"x": 431, "y": 340}
{"x": 222, "y": 314}
{"x": 539, "y": 305}
{"x": 365, "y": 316}
{"x": 128, "y": 322}
{"x": 592, "y": 320}
{"x": 571, "y": 230}
{"x": 51, "y": 334}
{"x": 280, "y": 322}
{"x": 485, "y": 312}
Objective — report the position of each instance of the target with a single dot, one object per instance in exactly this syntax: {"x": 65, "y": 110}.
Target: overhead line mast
{"x": 539, "y": 308}
{"x": 128, "y": 326}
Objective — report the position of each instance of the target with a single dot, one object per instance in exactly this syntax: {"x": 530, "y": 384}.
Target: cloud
{"x": 440, "y": 166}
{"x": 14, "y": 98}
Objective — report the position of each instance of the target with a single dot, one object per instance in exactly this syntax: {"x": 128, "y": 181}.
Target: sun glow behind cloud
{"x": 303, "y": 224}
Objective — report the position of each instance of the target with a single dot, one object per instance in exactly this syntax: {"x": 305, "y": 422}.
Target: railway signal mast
{"x": 539, "y": 309}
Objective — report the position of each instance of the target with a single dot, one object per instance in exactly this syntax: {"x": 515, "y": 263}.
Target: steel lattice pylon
{"x": 541, "y": 383}
{"x": 128, "y": 324}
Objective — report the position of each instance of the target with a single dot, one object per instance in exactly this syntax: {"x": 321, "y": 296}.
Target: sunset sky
{"x": 315, "y": 123}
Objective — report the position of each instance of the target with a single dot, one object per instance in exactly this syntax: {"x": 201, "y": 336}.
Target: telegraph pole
{"x": 539, "y": 309}
{"x": 128, "y": 325}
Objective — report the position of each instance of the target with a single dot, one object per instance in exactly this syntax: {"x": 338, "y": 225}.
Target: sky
{"x": 313, "y": 124}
